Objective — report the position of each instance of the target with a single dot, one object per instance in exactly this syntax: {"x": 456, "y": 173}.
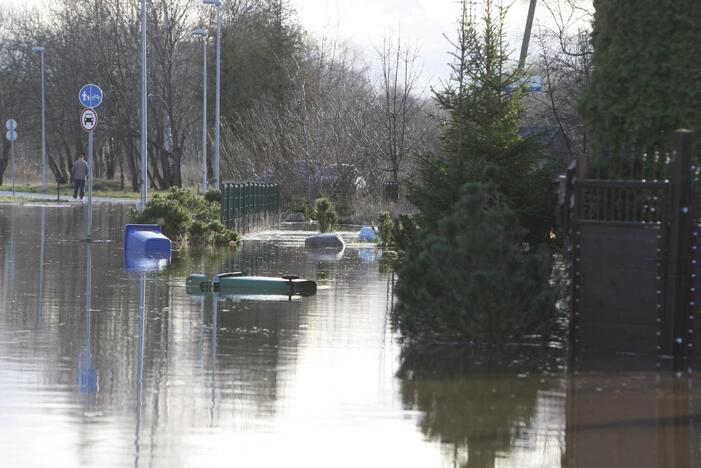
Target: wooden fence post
{"x": 582, "y": 166}
{"x": 676, "y": 312}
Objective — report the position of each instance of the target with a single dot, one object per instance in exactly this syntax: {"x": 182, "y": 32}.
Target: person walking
{"x": 79, "y": 174}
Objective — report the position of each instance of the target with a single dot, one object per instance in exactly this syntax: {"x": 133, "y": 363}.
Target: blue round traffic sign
{"x": 90, "y": 96}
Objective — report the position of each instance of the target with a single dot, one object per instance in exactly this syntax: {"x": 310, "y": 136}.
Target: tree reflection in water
{"x": 482, "y": 405}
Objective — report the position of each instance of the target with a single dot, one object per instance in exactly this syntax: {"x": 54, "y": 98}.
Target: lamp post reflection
{"x": 42, "y": 242}
{"x": 140, "y": 264}
{"x": 10, "y": 263}
{"x": 215, "y": 303}
{"x": 140, "y": 365}
{"x": 87, "y": 374}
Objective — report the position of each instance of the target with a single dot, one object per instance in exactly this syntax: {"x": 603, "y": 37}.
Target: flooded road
{"x": 102, "y": 367}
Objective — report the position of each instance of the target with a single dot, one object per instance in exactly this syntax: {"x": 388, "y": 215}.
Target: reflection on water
{"x": 486, "y": 408}
{"x": 87, "y": 373}
{"x": 622, "y": 412}
{"x": 101, "y": 366}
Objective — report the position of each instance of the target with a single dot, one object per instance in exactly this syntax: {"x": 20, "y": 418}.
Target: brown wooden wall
{"x": 633, "y": 255}
{"x": 618, "y": 288}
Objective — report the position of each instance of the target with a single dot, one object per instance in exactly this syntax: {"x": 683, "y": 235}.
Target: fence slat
{"x": 248, "y": 204}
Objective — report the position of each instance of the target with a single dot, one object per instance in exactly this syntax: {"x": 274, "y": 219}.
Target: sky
{"x": 422, "y": 24}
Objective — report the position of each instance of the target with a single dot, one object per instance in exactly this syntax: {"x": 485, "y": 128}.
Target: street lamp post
{"x": 144, "y": 128}
{"x": 201, "y": 32}
{"x": 40, "y": 51}
{"x": 217, "y": 110}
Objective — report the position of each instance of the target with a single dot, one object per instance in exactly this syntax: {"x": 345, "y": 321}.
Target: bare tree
{"x": 173, "y": 79}
{"x": 10, "y": 86}
{"x": 565, "y": 62}
{"x": 305, "y": 112}
{"x": 97, "y": 41}
{"x": 400, "y": 104}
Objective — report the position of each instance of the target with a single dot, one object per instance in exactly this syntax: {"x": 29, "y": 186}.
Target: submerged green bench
{"x": 239, "y": 283}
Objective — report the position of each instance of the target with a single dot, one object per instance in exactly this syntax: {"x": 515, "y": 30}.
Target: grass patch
{"x": 18, "y": 199}
{"x": 101, "y": 188}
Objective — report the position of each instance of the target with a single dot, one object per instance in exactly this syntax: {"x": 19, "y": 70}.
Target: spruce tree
{"x": 483, "y": 101}
{"x": 473, "y": 271}
{"x": 471, "y": 280}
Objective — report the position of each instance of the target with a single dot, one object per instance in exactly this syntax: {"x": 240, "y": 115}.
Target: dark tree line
{"x": 294, "y": 108}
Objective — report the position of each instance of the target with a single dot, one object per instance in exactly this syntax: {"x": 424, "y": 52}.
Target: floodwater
{"x": 102, "y": 367}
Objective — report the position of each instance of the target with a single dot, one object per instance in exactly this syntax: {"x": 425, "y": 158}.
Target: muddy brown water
{"x": 102, "y": 367}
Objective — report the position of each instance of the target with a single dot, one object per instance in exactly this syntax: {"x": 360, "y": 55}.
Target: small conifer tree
{"x": 326, "y": 214}
{"x": 472, "y": 271}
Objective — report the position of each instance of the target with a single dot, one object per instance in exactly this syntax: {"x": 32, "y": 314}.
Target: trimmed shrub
{"x": 326, "y": 214}
{"x": 344, "y": 210}
{"x": 386, "y": 228}
{"x": 213, "y": 196}
{"x": 169, "y": 213}
{"x": 198, "y": 233}
{"x": 187, "y": 218}
{"x": 297, "y": 205}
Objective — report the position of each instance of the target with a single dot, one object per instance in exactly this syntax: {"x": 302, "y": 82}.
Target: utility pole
{"x": 527, "y": 35}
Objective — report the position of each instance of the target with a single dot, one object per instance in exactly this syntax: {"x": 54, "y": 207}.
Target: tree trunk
{"x": 121, "y": 173}
{"x": 133, "y": 172}
{"x": 111, "y": 162}
{"x": 4, "y": 161}
{"x": 177, "y": 169}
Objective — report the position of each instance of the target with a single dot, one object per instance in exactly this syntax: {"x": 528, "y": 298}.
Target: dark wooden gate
{"x": 632, "y": 262}
{"x": 618, "y": 264}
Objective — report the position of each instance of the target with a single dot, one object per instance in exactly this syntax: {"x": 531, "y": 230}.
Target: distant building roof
{"x": 552, "y": 139}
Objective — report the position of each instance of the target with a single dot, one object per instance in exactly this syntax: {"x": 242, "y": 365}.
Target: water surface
{"x": 103, "y": 367}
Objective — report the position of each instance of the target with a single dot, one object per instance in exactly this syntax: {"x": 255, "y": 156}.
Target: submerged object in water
{"x": 367, "y": 234}
{"x": 145, "y": 248}
{"x": 242, "y": 284}
{"x": 327, "y": 240}
{"x": 146, "y": 240}
{"x": 295, "y": 218}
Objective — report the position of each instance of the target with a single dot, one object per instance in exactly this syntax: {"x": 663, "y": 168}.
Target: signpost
{"x": 531, "y": 84}
{"x": 88, "y": 120}
{"x": 90, "y": 96}
{"x": 11, "y": 126}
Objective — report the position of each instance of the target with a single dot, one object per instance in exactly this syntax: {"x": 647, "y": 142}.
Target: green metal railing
{"x": 246, "y": 205}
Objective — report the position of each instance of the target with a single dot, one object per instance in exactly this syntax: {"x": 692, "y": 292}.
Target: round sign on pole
{"x": 88, "y": 120}
{"x": 11, "y": 135}
{"x": 11, "y": 124}
{"x": 90, "y": 96}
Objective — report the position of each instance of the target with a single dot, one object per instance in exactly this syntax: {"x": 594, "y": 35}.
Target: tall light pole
{"x": 144, "y": 115}
{"x": 201, "y": 32}
{"x": 40, "y": 51}
{"x": 217, "y": 111}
